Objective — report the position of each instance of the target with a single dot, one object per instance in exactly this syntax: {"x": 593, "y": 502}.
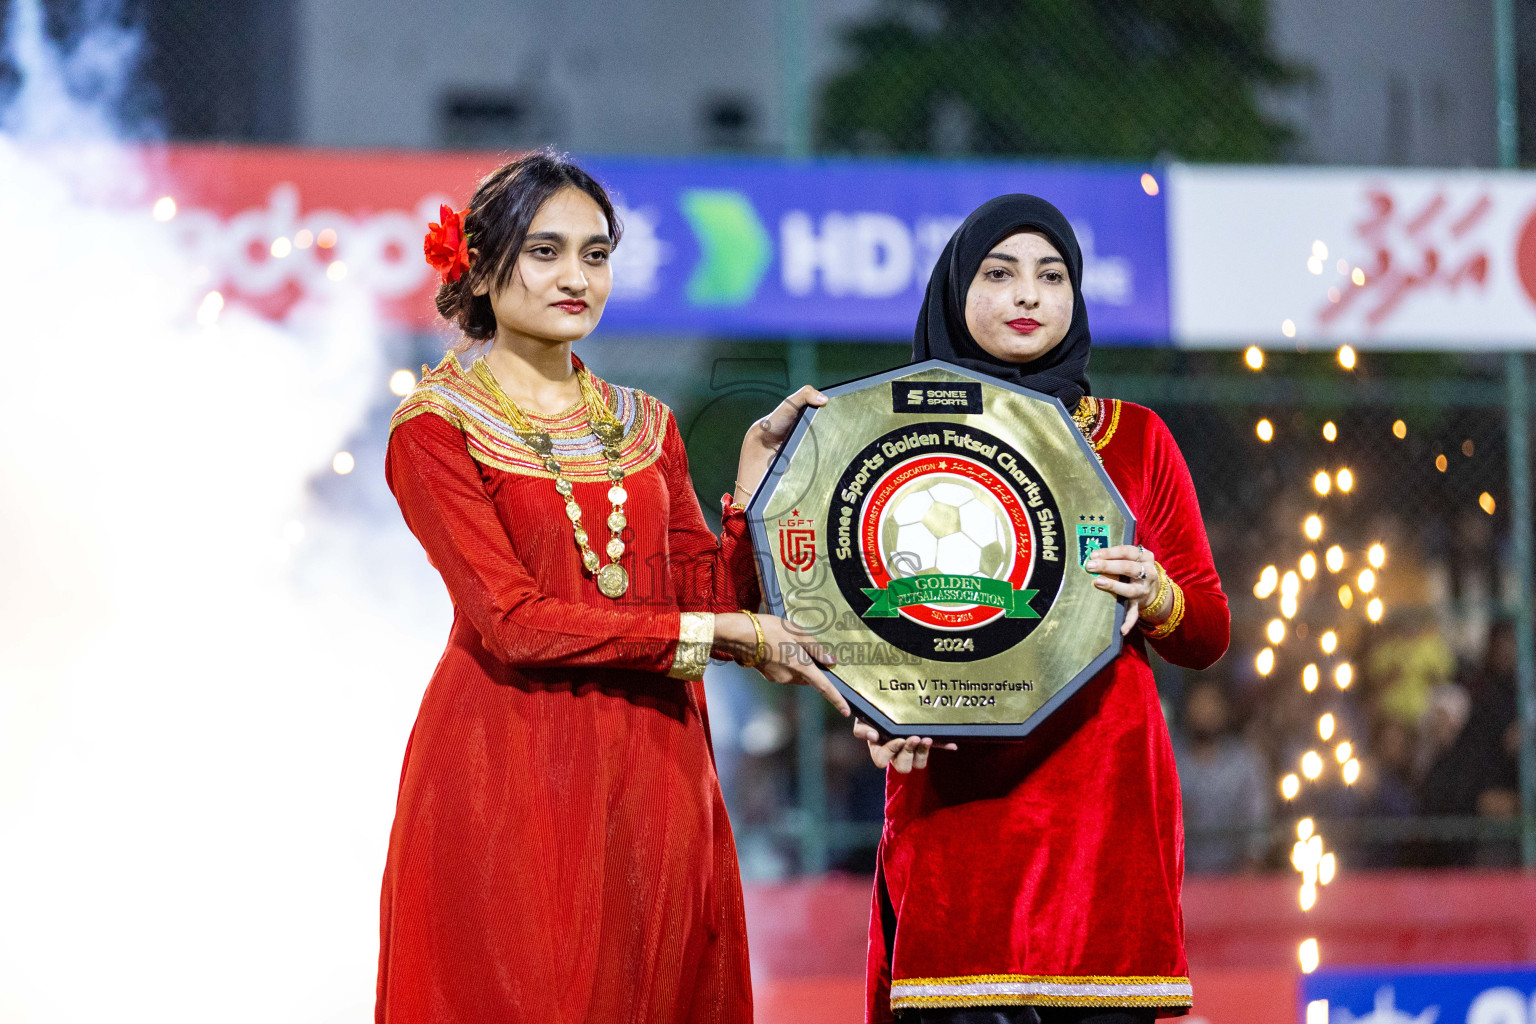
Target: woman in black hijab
{"x": 1053, "y": 359}
{"x": 1038, "y": 880}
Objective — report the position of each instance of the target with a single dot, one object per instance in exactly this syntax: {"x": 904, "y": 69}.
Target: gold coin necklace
{"x": 612, "y": 580}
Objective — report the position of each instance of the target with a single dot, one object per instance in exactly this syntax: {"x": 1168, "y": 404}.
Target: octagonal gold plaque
{"x": 929, "y": 525}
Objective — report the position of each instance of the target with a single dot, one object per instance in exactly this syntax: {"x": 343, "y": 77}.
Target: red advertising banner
{"x": 270, "y": 226}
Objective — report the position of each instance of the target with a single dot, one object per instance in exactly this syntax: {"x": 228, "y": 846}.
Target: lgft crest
{"x": 797, "y": 542}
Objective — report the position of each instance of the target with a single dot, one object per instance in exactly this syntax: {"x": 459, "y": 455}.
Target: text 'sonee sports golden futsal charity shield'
{"x": 930, "y": 526}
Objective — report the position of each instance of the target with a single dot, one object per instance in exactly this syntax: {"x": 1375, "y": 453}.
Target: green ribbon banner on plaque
{"x": 936, "y": 589}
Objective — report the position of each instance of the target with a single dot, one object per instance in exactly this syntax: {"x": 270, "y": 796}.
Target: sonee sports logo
{"x": 956, "y": 396}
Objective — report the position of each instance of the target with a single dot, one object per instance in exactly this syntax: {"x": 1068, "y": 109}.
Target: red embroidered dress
{"x": 560, "y": 850}
{"x": 1046, "y": 871}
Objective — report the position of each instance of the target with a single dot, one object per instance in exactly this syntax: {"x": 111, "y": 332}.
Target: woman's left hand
{"x": 1130, "y": 571}
{"x": 766, "y": 437}
{"x": 905, "y": 755}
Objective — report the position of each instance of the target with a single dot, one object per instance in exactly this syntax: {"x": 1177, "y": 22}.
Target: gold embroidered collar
{"x": 452, "y": 393}
{"x": 1097, "y": 419}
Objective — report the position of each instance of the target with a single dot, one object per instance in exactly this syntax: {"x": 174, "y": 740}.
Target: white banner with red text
{"x": 1383, "y": 259}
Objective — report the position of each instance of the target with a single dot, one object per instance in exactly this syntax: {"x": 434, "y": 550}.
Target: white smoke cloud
{"x": 206, "y": 675}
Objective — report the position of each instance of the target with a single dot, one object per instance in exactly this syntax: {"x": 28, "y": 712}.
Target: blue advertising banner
{"x": 843, "y": 248}
{"x": 1480, "y": 995}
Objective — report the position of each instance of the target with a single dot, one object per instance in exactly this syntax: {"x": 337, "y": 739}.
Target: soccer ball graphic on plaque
{"x": 947, "y": 525}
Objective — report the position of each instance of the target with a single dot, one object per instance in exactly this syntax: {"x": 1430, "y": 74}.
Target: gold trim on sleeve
{"x": 695, "y": 637}
{"x": 1039, "y": 990}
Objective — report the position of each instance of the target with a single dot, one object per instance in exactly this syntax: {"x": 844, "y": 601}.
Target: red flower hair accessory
{"x": 447, "y": 245}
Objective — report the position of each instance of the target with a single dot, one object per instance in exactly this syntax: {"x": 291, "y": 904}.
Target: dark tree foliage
{"x": 1116, "y": 79}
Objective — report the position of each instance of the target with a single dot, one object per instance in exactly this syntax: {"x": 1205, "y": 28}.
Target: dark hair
{"x": 504, "y": 204}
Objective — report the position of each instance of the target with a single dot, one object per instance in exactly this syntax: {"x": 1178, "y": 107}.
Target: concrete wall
{"x": 1397, "y": 81}
{"x": 623, "y": 76}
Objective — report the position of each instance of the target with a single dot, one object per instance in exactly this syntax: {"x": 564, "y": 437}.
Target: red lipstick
{"x": 572, "y": 306}
{"x": 1024, "y": 325}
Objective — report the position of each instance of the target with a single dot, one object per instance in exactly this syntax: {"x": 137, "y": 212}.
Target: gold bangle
{"x": 1165, "y": 588}
{"x": 761, "y": 654}
{"x": 1174, "y": 619}
{"x": 1161, "y": 593}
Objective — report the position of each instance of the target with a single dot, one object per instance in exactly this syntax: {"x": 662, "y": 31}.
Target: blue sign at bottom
{"x": 1481, "y": 995}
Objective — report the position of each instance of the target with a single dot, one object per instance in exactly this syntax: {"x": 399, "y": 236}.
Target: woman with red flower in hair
{"x": 447, "y": 246}
{"x": 560, "y": 851}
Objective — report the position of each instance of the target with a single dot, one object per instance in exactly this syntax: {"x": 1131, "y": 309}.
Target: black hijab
{"x": 941, "y": 331}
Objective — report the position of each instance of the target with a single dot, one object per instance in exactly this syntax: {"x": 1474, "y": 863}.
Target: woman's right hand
{"x": 766, "y": 437}
{"x": 790, "y": 656}
{"x": 904, "y": 755}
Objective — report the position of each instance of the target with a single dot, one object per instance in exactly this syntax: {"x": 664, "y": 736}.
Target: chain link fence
{"x": 1412, "y": 450}
{"x": 194, "y": 71}
{"x": 1105, "y": 80}
{"x": 1429, "y": 703}
{"x": 1365, "y": 546}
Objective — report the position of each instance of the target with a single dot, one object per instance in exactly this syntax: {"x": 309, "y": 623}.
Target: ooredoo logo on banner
{"x": 1390, "y": 259}
{"x": 737, "y": 247}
